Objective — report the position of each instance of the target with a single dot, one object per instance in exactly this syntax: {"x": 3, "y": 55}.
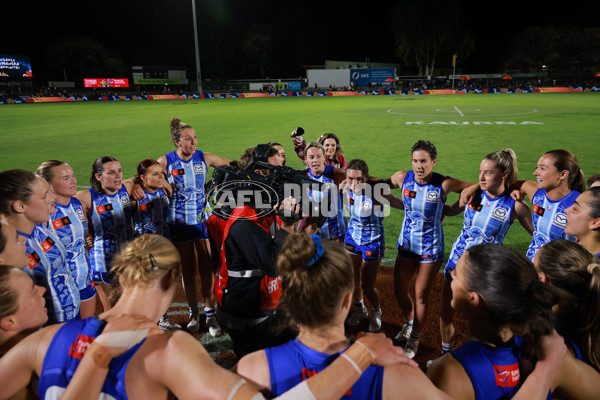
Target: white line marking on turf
{"x": 458, "y": 111}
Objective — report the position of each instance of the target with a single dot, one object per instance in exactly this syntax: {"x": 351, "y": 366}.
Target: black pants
{"x": 268, "y": 333}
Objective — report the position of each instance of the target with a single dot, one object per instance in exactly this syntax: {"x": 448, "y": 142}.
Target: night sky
{"x": 153, "y": 32}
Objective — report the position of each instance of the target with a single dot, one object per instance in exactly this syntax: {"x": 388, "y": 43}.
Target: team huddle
{"x": 284, "y": 289}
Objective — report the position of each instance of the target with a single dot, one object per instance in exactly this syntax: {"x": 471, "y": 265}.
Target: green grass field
{"x": 378, "y": 129}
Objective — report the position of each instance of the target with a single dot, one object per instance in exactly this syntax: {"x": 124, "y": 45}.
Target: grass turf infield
{"x": 378, "y": 129}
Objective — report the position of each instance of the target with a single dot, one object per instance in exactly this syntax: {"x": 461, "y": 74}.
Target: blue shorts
{"x": 409, "y": 255}
{"x": 102, "y": 277}
{"x": 88, "y": 292}
{"x": 369, "y": 252}
{"x": 181, "y": 233}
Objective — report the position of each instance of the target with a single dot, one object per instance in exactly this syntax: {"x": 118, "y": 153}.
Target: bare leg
{"x": 369, "y": 276}
{"x": 103, "y": 291}
{"x": 188, "y": 269}
{"x": 357, "y": 264}
{"x": 87, "y": 308}
{"x": 206, "y": 272}
{"x": 425, "y": 278}
{"x": 404, "y": 270}
{"x": 447, "y": 314}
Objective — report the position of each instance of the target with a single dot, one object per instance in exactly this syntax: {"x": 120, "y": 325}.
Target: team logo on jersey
{"x": 34, "y": 259}
{"x": 198, "y": 169}
{"x": 80, "y": 346}
{"x": 104, "y": 208}
{"x": 538, "y": 210}
{"x": 47, "y": 244}
{"x": 125, "y": 200}
{"x": 432, "y": 196}
{"x": 507, "y": 375}
{"x": 80, "y": 214}
{"x": 560, "y": 220}
{"x": 178, "y": 172}
{"x": 499, "y": 214}
{"x": 146, "y": 206}
{"x": 476, "y": 207}
{"x": 59, "y": 223}
{"x": 365, "y": 206}
{"x": 409, "y": 193}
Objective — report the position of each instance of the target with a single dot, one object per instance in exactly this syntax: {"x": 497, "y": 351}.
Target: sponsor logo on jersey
{"x": 178, "y": 172}
{"x": 538, "y": 210}
{"x": 47, "y": 244}
{"x": 409, "y": 193}
{"x": 80, "y": 346}
{"x": 560, "y": 220}
{"x": 104, "y": 208}
{"x": 59, "y": 223}
{"x": 80, "y": 214}
{"x": 432, "y": 197}
{"x": 34, "y": 259}
{"x": 500, "y": 214}
{"x": 507, "y": 375}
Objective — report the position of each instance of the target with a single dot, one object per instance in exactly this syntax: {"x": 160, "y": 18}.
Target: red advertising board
{"x": 105, "y": 83}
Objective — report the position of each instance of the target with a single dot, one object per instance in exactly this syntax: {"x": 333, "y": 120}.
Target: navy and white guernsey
{"x": 68, "y": 223}
{"x": 47, "y": 259}
{"x": 150, "y": 214}
{"x": 187, "y": 205}
{"x": 292, "y": 362}
{"x": 110, "y": 224}
{"x": 494, "y": 371}
{"x": 422, "y": 231}
{"x": 485, "y": 221}
{"x": 65, "y": 352}
{"x": 549, "y": 219}
{"x": 335, "y": 226}
{"x": 366, "y": 219}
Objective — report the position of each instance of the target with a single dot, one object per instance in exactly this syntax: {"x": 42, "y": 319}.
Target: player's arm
{"x": 395, "y": 181}
{"x": 214, "y": 161}
{"x": 85, "y": 197}
{"x": 24, "y": 360}
{"x": 523, "y": 213}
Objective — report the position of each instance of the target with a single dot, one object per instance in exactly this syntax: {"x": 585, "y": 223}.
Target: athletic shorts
{"x": 181, "y": 233}
{"x": 409, "y": 255}
{"x": 103, "y": 277}
{"x": 88, "y": 293}
{"x": 369, "y": 252}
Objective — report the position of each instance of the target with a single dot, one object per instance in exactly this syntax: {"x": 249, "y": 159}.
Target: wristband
{"x": 359, "y": 356}
{"x": 100, "y": 355}
{"x": 242, "y": 390}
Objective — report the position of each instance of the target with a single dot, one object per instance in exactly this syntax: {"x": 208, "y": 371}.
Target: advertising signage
{"x": 15, "y": 66}
{"x": 372, "y": 76}
{"x": 105, "y": 83}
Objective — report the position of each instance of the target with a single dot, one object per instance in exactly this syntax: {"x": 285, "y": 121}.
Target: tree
{"x": 560, "y": 48}
{"x": 258, "y": 46}
{"x": 80, "y": 57}
{"x": 427, "y": 31}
